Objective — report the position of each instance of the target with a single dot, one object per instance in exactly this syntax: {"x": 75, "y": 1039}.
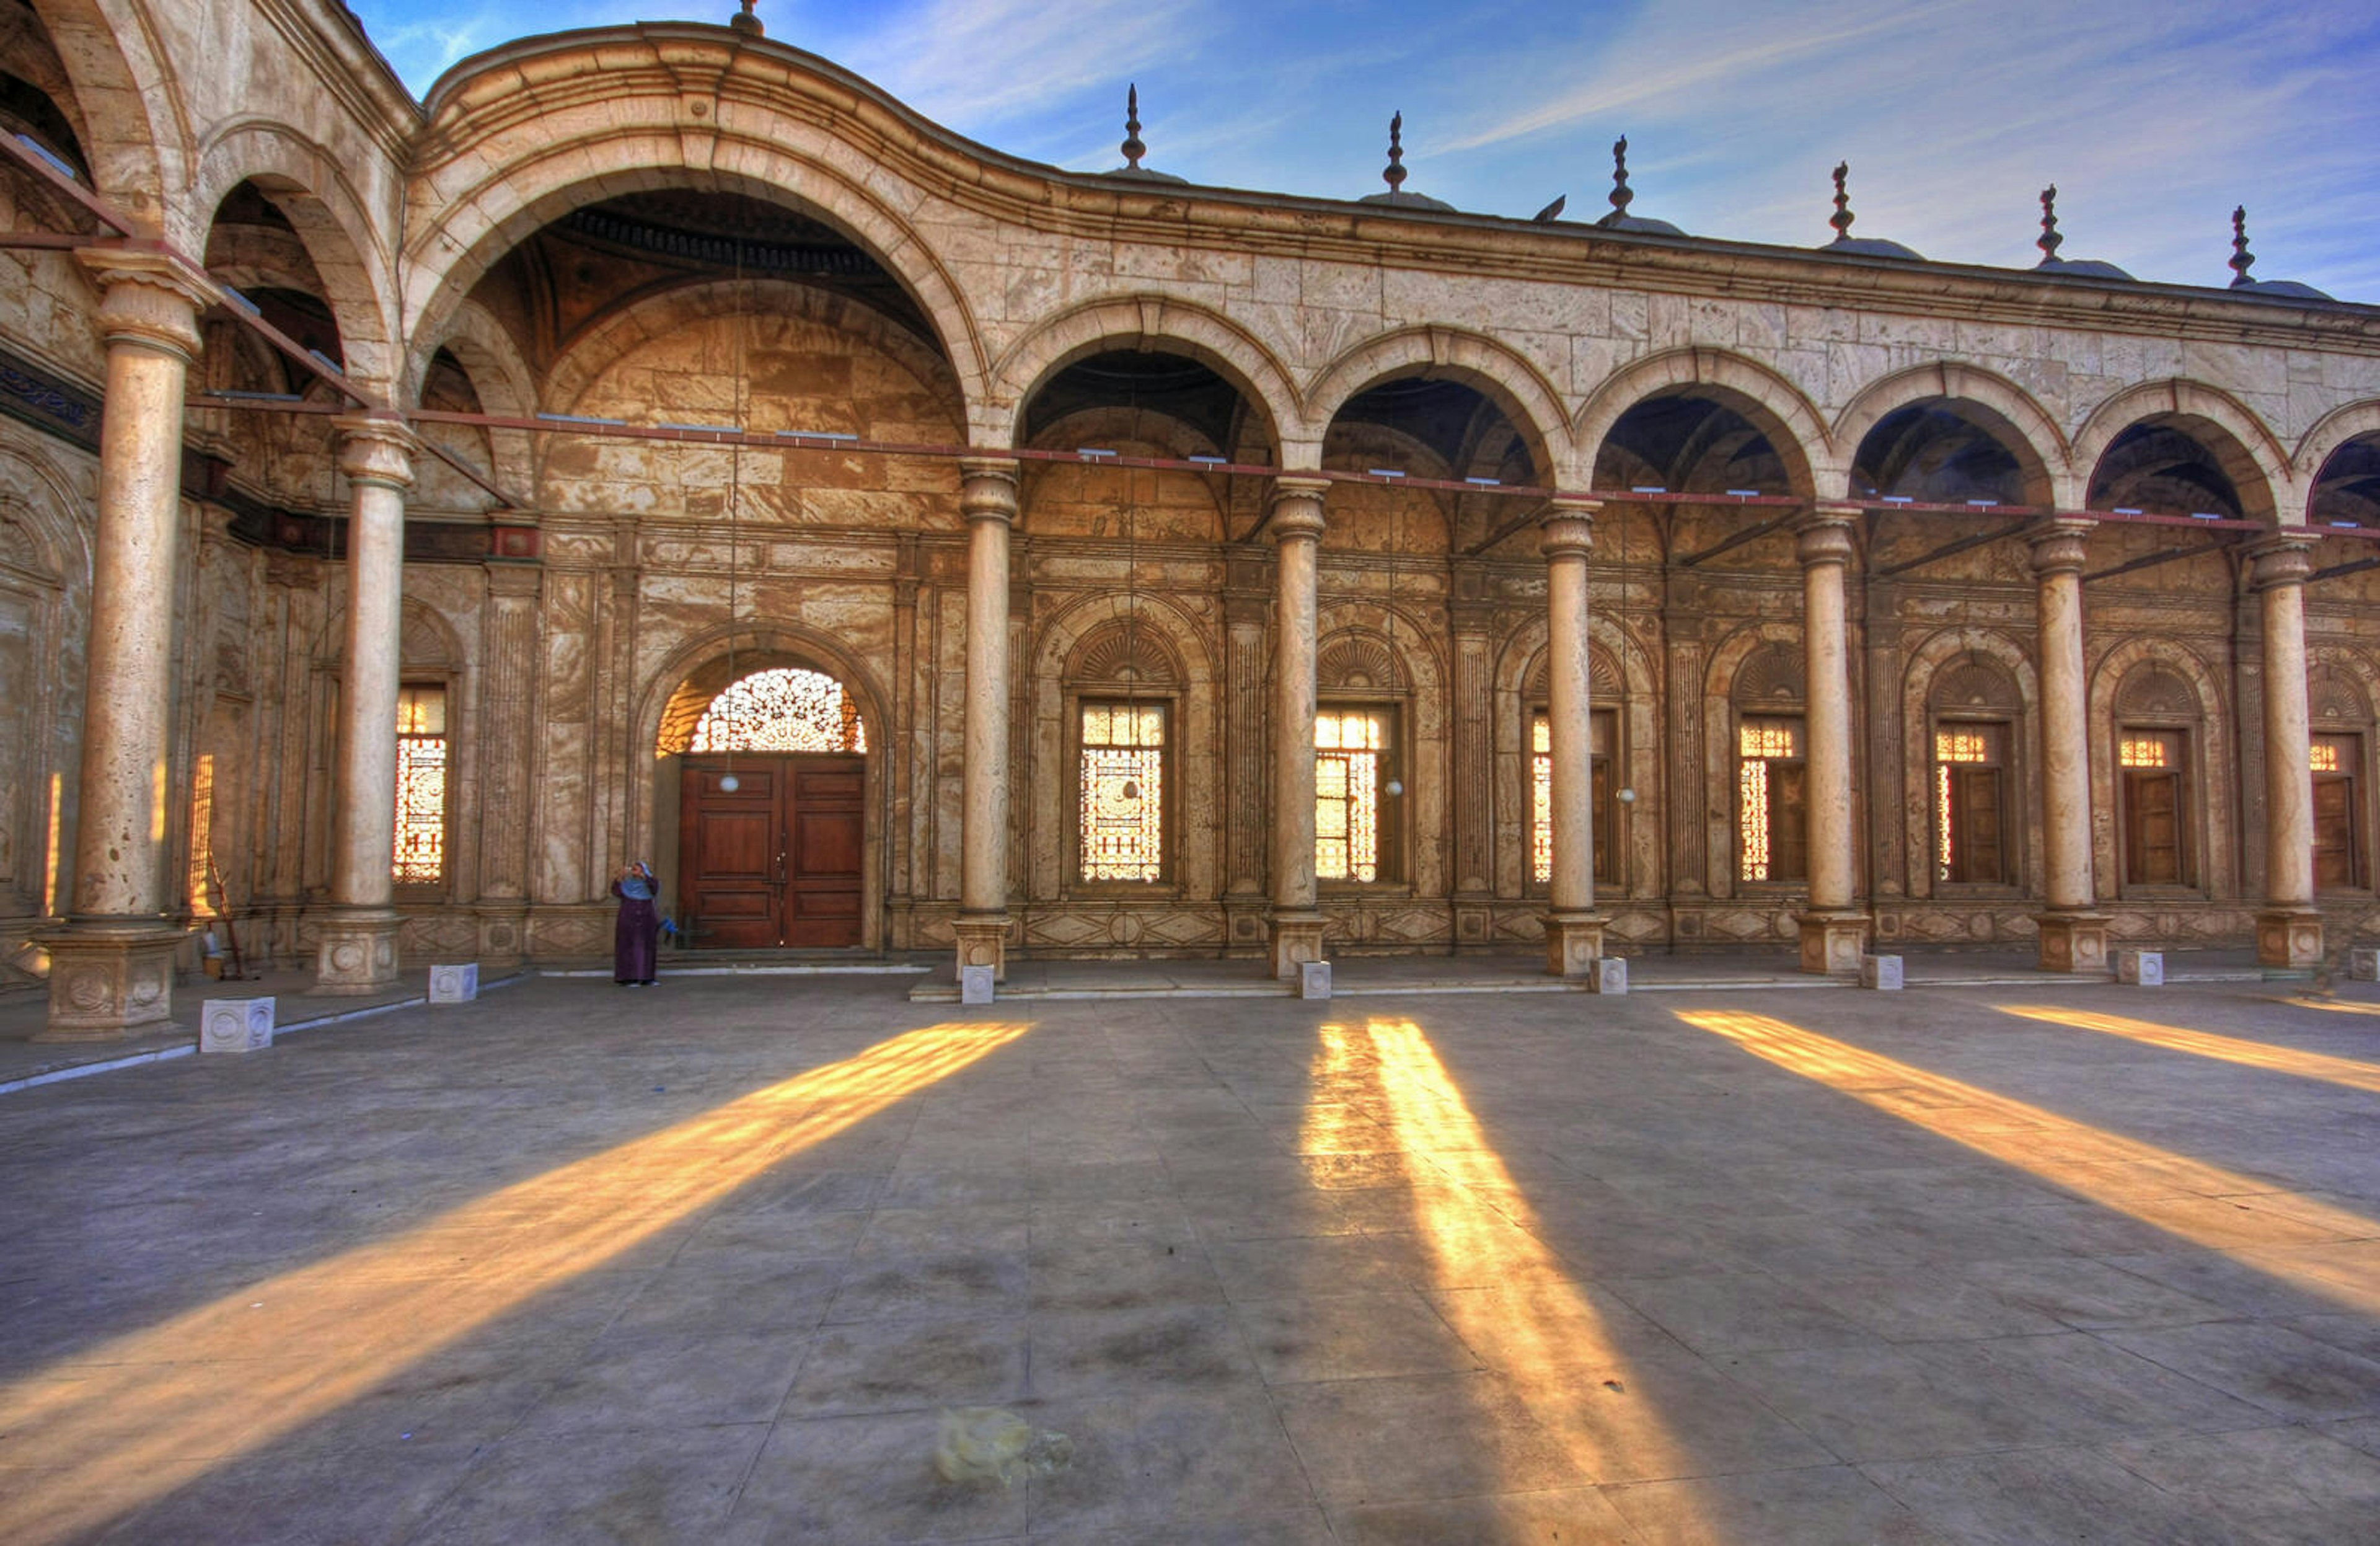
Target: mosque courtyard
{"x": 708, "y": 1263}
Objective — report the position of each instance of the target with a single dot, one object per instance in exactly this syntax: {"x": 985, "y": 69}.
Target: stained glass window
{"x": 784, "y": 708}
{"x": 1768, "y": 799}
{"x": 421, "y": 762}
{"x": 1350, "y": 748}
{"x": 203, "y": 836}
{"x": 2323, "y": 755}
{"x": 1123, "y": 791}
{"x": 1541, "y": 797}
{"x": 1967, "y": 815}
{"x": 2143, "y": 751}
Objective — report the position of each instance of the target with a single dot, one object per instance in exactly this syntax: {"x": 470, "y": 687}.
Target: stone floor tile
{"x": 861, "y": 1482}
{"x": 2092, "y": 1295}
{"x": 752, "y": 1293}
{"x": 1581, "y": 1514}
{"x": 1926, "y": 1304}
{"x": 1158, "y": 1461}
{"x": 2280, "y": 1370}
{"x": 899, "y": 1365}
{"x": 1818, "y": 1505}
{"x": 1383, "y": 1440}
{"x": 1349, "y": 1336}
{"x": 2045, "y": 1497}
{"x": 1122, "y": 1274}
{"x": 1737, "y": 1312}
{"x": 376, "y": 1497}
{"x": 1880, "y": 1403}
{"x": 1186, "y": 1347}
{"x": 2084, "y": 1389}
{"x": 636, "y": 1379}
{"x": 979, "y": 1282}
{"x": 1311, "y": 1266}
{"x": 668, "y": 1484}
{"x": 2291, "y": 1484}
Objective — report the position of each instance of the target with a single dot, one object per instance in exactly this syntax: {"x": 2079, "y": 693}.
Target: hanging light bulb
{"x": 1628, "y": 797}
{"x": 1396, "y": 786}
{"x": 1131, "y": 789}
{"x": 729, "y": 783}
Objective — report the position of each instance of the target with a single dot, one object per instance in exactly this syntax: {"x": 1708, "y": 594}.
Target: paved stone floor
{"x": 703, "y": 1263}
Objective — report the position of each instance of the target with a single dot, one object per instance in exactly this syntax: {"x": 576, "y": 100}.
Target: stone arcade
{"x": 660, "y": 443}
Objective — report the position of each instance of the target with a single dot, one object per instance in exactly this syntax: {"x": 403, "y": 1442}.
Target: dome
{"x": 1131, "y": 170}
{"x": 2286, "y": 289}
{"x": 1394, "y": 174}
{"x": 2243, "y": 260}
{"x": 1400, "y": 199}
{"x": 1146, "y": 175}
{"x": 2079, "y": 268}
{"x": 1622, "y": 196}
{"x": 1846, "y": 245}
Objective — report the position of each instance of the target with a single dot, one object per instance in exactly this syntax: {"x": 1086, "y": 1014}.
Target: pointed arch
{"x": 1770, "y": 403}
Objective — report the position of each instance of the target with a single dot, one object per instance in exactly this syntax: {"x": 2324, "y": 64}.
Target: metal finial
{"x": 1395, "y": 171}
{"x": 745, "y": 23}
{"x": 2050, "y": 241}
{"x": 2241, "y": 259}
{"x": 1622, "y": 194}
{"x": 1133, "y": 148}
{"x": 1842, "y": 217}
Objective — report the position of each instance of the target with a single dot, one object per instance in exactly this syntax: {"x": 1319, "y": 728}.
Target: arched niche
{"x": 2144, "y": 687}
{"x": 1969, "y": 681}
{"x": 1621, "y": 680}
{"x": 1366, "y": 661}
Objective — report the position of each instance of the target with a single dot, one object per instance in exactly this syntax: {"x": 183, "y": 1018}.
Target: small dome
{"x": 1619, "y": 220}
{"x": 1145, "y": 175}
{"x": 1131, "y": 170}
{"x": 1872, "y": 247}
{"x": 1400, "y": 199}
{"x": 2289, "y": 289}
{"x": 2079, "y": 268}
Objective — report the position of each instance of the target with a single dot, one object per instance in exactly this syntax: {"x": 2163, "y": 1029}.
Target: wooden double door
{"x": 776, "y": 859}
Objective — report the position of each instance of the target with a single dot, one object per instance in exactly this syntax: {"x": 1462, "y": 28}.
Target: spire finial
{"x": 1842, "y": 217}
{"x": 1395, "y": 173}
{"x": 2241, "y": 259}
{"x": 745, "y": 23}
{"x": 1622, "y": 194}
{"x": 2050, "y": 241}
{"x": 1133, "y": 148}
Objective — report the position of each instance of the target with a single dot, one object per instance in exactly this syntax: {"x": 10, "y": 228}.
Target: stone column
{"x": 987, "y": 499}
{"x": 111, "y": 966}
{"x": 1573, "y": 929}
{"x": 2073, "y": 933}
{"x": 1297, "y": 534}
{"x": 1834, "y": 931}
{"x": 356, "y": 949}
{"x": 2289, "y": 929}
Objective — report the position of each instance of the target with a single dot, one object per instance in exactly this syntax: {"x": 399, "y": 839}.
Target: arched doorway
{"x": 771, "y": 810}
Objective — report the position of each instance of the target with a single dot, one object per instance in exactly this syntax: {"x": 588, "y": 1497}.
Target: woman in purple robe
{"x": 640, "y": 927}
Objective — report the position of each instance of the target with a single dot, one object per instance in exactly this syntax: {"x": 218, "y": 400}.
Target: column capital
{"x": 2281, "y": 559}
{"x": 376, "y": 449}
{"x": 1296, "y": 508}
{"x": 987, "y": 488}
{"x": 149, "y": 298}
{"x": 1825, "y": 535}
{"x": 1566, "y": 532}
{"x": 2059, "y": 546}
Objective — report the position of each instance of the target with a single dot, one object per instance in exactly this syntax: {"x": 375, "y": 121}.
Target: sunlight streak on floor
{"x": 120, "y": 1425}
{"x": 2255, "y": 1055}
{"x": 2291, "y": 1236}
{"x": 2336, "y": 1005}
{"x": 1382, "y": 1085}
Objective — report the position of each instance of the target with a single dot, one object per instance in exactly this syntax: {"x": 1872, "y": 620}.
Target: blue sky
{"x": 2153, "y": 118}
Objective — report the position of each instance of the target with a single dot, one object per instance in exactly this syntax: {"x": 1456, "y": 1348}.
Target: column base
{"x": 983, "y": 941}
{"x": 2289, "y": 939}
{"x": 356, "y": 952}
{"x": 107, "y": 983}
{"x": 1833, "y": 941}
{"x": 2074, "y": 941}
{"x": 1573, "y": 942}
{"x": 1296, "y": 941}
{"x": 504, "y": 933}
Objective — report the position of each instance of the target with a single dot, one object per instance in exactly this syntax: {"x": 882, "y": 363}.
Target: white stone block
{"x": 2142, "y": 968}
{"x": 1880, "y": 971}
{"x": 1314, "y": 979}
{"x": 236, "y": 1024}
{"x": 975, "y": 985}
{"x": 2364, "y": 966}
{"x": 455, "y": 984}
{"x": 1609, "y": 975}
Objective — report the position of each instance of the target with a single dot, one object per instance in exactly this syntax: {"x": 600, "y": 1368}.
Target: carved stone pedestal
{"x": 106, "y": 984}
{"x": 1296, "y": 939}
{"x": 983, "y": 941}
{"x": 1833, "y": 941}
{"x": 1573, "y": 942}
{"x": 2074, "y": 941}
{"x": 356, "y": 952}
{"x": 504, "y": 933}
{"x": 2289, "y": 939}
